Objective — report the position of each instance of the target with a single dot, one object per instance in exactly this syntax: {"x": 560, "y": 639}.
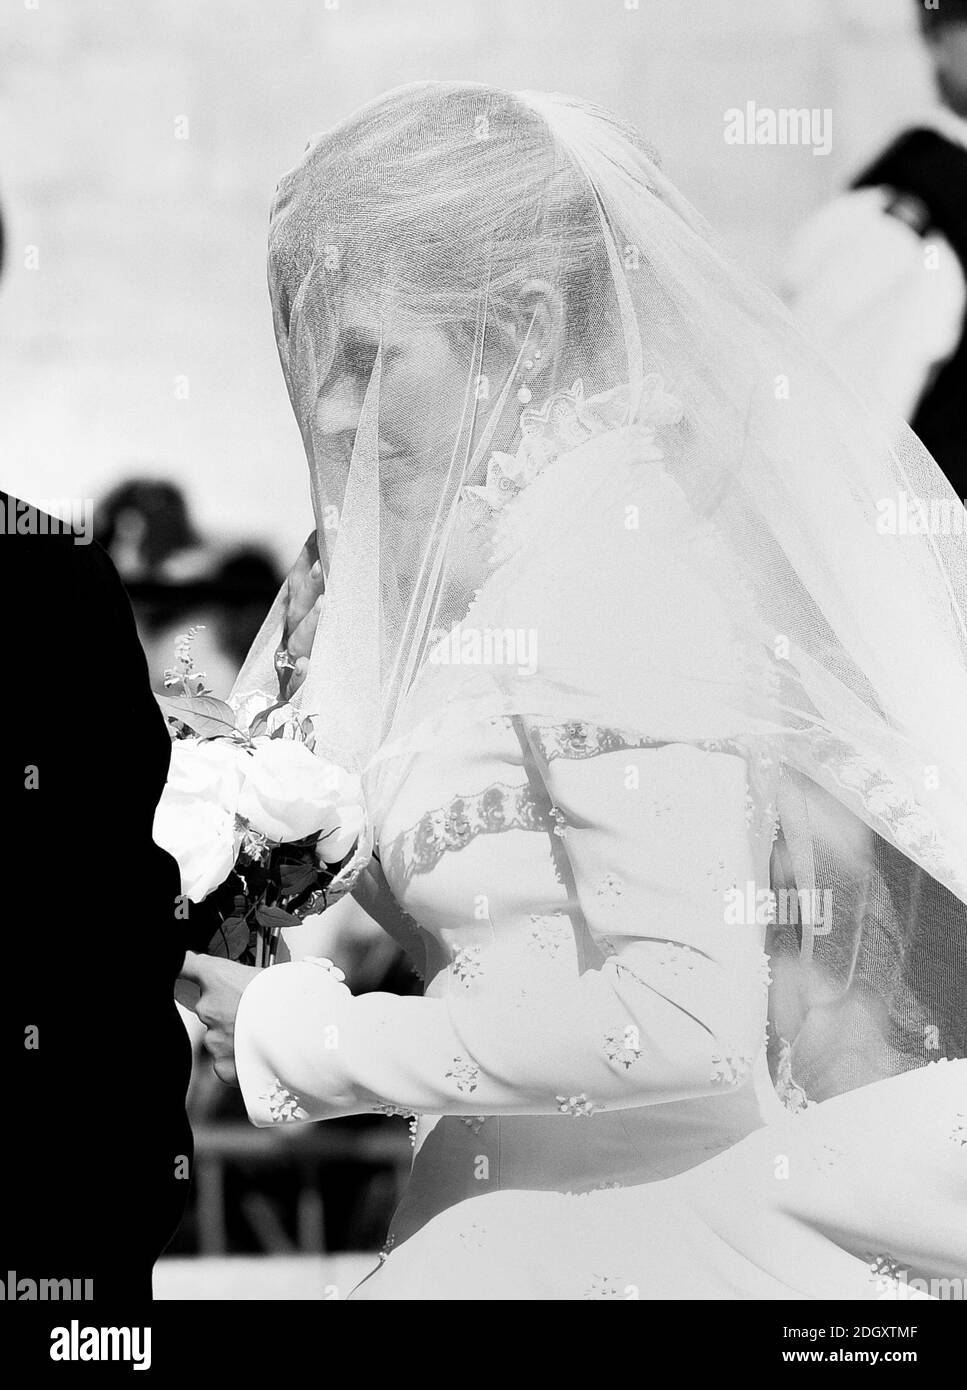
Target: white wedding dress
{"x": 595, "y": 1113}
{"x": 596, "y": 1118}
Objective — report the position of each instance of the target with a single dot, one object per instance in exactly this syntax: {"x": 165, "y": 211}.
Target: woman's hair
{"x": 435, "y": 193}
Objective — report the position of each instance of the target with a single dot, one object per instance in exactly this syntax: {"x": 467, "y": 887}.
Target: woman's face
{"x": 422, "y": 396}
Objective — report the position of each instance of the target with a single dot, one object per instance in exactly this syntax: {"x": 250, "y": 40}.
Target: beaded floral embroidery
{"x": 884, "y": 1269}
{"x": 728, "y": 1067}
{"x": 577, "y": 739}
{"x": 463, "y": 1074}
{"x": 674, "y": 957}
{"x": 385, "y": 1108}
{"x": 466, "y": 964}
{"x": 503, "y": 806}
{"x": 575, "y": 1105}
{"x": 283, "y": 1105}
{"x": 622, "y": 1045}
{"x": 906, "y": 820}
{"x": 826, "y": 1158}
{"x": 602, "y": 1286}
{"x": 474, "y": 1236}
{"x": 793, "y": 1097}
{"x": 498, "y": 808}
{"x": 609, "y": 890}
{"x": 549, "y": 932}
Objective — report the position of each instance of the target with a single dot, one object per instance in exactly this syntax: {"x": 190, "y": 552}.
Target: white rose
{"x": 195, "y": 818}
{"x": 210, "y": 770}
{"x": 200, "y": 836}
{"x": 289, "y": 792}
{"x": 340, "y": 832}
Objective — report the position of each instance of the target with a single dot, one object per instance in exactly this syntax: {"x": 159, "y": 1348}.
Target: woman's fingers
{"x": 225, "y": 1071}
{"x": 206, "y": 1014}
{"x": 194, "y": 969}
{"x": 301, "y": 636}
{"x": 187, "y": 994}
{"x": 220, "y": 985}
{"x": 218, "y": 1043}
{"x": 305, "y": 585}
{"x": 304, "y": 589}
{"x": 222, "y": 1052}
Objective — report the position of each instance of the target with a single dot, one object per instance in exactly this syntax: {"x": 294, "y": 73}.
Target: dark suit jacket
{"x": 96, "y": 1147}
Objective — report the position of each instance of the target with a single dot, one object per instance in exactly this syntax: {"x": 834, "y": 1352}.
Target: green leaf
{"x": 203, "y": 714}
{"x": 296, "y": 878}
{"x": 272, "y": 917}
{"x": 231, "y": 939}
{"x": 261, "y": 721}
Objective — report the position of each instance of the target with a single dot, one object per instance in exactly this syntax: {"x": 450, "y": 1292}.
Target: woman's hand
{"x": 303, "y": 599}
{"x": 220, "y": 984}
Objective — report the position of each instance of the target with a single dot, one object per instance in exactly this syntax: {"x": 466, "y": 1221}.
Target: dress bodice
{"x": 476, "y": 853}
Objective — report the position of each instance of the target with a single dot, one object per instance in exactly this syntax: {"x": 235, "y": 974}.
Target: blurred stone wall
{"x": 141, "y": 140}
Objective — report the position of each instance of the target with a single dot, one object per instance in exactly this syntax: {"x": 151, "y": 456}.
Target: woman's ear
{"x": 539, "y": 331}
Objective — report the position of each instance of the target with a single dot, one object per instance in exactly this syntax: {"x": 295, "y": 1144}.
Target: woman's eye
{"x": 359, "y": 362}
{"x": 359, "y": 359}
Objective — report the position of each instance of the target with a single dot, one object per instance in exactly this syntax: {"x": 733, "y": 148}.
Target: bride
{"x": 662, "y": 734}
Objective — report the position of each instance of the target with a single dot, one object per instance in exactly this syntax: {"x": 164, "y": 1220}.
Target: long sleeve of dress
{"x": 658, "y": 844}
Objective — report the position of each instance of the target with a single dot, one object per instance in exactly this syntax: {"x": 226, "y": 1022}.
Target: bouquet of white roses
{"x": 263, "y": 828}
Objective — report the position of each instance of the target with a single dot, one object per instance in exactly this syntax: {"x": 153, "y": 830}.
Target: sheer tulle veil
{"x": 641, "y": 500}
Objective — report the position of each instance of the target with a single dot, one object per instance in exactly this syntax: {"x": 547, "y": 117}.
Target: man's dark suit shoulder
{"x": 94, "y": 942}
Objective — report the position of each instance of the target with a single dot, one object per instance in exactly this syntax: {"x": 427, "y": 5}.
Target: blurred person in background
{"x": 144, "y": 526}
{"x": 878, "y": 276}
{"x": 177, "y": 579}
